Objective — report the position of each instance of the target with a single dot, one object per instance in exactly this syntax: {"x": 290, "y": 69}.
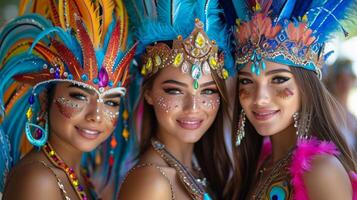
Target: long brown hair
{"x": 210, "y": 150}
{"x": 324, "y": 110}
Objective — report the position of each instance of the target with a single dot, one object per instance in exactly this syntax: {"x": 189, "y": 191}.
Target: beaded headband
{"x": 196, "y": 55}
{"x": 287, "y": 32}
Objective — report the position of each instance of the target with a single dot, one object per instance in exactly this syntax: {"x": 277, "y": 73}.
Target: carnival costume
{"x": 86, "y": 43}
{"x": 292, "y": 33}
{"x": 189, "y": 35}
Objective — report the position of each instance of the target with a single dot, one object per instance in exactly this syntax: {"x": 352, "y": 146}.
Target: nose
{"x": 262, "y": 95}
{"x": 95, "y": 111}
{"x": 191, "y": 103}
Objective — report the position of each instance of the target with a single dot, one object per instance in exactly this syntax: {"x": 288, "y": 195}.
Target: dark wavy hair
{"x": 210, "y": 150}
{"x": 315, "y": 99}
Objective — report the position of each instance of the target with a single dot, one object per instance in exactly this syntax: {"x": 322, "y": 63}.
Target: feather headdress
{"x": 194, "y": 29}
{"x": 82, "y": 42}
{"x": 287, "y": 31}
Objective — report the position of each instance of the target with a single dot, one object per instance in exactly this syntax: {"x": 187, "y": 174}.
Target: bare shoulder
{"x": 32, "y": 181}
{"x": 327, "y": 179}
{"x": 144, "y": 183}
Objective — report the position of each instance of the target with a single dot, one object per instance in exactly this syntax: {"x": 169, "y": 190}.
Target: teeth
{"x": 263, "y": 114}
{"x": 90, "y": 132}
{"x": 189, "y": 122}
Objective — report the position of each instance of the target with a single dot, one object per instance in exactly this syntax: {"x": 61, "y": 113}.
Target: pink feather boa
{"x": 305, "y": 151}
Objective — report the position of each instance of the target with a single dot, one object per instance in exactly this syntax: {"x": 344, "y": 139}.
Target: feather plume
{"x": 62, "y": 13}
{"x": 124, "y": 64}
{"x": 90, "y": 16}
{"x": 113, "y": 48}
{"x": 22, "y": 8}
{"x": 165, "y": 11}
{"x": 301, "y": 7}
{"x": 241, "y": 8}
{"x": 55, "y": 18}
{"x": 107, "y": 16}
{"x": 90, "y": 62}
{"x": 328, "y": 17}
{"x": 69, "y": 59}
{"x": 287, "y": 10}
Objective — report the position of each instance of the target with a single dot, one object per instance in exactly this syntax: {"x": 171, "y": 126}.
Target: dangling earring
{"x": 41, "y": 133}
{"x": 302, "y": 125}
{"x": 240, "y": 130}
{"x": 296, "y": 122}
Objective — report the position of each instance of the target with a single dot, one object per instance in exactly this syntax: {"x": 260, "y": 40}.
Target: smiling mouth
{"x": 262, "y": 116}
{"x": 189, "y": 124}
{"x": 87, "y": 133}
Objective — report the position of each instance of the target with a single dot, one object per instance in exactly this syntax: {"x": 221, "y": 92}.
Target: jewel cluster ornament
{"x": 196, "y": 55}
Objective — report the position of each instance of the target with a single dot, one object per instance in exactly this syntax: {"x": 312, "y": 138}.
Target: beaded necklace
{"x": 195, "y": 189}
{"x": 279, "y": 168}
{"x": 71, "y": 175}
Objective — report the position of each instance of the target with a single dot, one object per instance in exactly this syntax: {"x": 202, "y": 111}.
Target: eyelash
{"x": 112, "y": 103}
{"x": 209, "y": 91}
{"x": 245, "y": 81}
{"x": 172, "y": 91}
{"x": 78, "y": 96}
{"x": 280, "y": 79}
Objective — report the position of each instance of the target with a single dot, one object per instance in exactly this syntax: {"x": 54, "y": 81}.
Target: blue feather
{"x": 241, "y": 9}
{"x": 301, "y": 7}
{"x": 277, "y": 7}
{"x": 165, "y": 11}
{"x": 287, "y": 10}
{"x": 328, "y": 17}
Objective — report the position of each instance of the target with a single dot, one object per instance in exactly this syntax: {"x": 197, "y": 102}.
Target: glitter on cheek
{"x": 167, "y": 105}
{"x": 243, "y": 93}
{"x": 285, "y": 93}
{"x": 111, "y": 116}
{"x": 211, "y": 104}
{"x": 67, "y": 107}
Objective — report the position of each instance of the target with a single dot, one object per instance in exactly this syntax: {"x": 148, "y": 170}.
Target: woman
{"x": 279, "y": 54}
{"x": 68, "y": 74}
{"x": 183, "y": 100}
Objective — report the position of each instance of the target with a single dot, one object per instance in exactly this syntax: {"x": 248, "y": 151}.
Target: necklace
{"x": 278, "y": 169}
{"x": 195, "y": 190}
{"x": 58, "y": 162}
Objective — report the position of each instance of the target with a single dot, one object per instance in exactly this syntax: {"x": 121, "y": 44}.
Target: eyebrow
{"x": 175, "y": 82}
{"x": 185, "y": 85}
{"x": 87, "y": 90}
{"x": 113, "y": 95}
{"x": 274, "y": 71}
{"x": 207, "y": 84}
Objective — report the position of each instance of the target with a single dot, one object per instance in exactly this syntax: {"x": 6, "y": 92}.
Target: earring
{"x": 302, "y": 124}
{"x": 296, "y": 122}
{"x": 41, "y": 133}
{"x": 240, "y": 130}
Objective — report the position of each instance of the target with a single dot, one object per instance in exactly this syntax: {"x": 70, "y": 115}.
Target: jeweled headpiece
{"x": 199, "y": 39}
{"x": 285, "y": 31}
{"x": 83, "y": 46}
{"x": 82, "y": 42}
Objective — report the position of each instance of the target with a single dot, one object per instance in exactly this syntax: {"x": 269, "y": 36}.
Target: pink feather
{"x": 301, "y": 162}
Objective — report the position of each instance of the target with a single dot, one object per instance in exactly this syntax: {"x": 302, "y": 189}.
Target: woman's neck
{"x": 283, "y": 142}
{"x": 183, "y": 152}
{"x": 70, "y": 155}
